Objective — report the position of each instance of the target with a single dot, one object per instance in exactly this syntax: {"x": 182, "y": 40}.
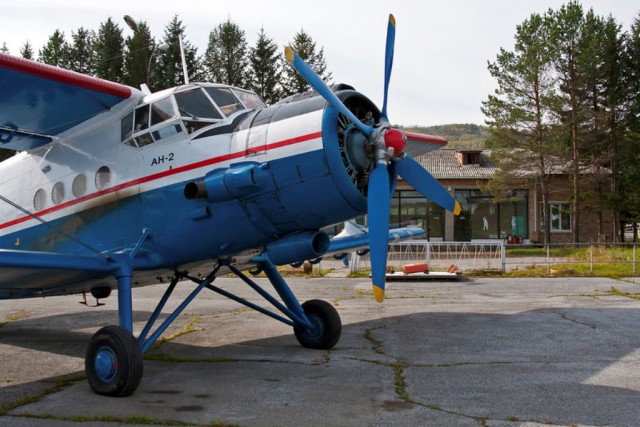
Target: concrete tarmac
{"x": 480, "y": 352}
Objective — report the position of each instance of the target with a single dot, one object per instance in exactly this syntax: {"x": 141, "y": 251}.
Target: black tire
{"x": 328, "y": 326}
{"x": 113, "y": 362}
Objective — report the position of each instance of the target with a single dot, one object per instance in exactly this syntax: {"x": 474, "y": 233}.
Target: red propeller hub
{"x": 394, "y": 138}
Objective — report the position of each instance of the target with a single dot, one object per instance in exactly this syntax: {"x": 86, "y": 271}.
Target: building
{"x": 517, "y": 220}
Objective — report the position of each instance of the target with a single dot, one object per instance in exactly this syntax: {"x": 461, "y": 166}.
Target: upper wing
{"x": 38, "y": 101}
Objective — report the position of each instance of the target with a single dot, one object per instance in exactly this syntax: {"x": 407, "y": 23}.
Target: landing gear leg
{"x": 316, "y": 324}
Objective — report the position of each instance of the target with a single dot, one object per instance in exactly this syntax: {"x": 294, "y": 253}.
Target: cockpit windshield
{"x": 225, "y": 99}
{"x": 249, "y": 99}
{"x": 195, "y": 104}
{"x": 190, "y": 109}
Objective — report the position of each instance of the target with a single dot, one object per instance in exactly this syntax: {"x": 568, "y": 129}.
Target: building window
{"x": 560, "y": 214}
{"x": 484, "y": 218}
{"x": 412, "y": 208}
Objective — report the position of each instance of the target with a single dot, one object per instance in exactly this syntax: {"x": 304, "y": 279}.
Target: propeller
{"x": 385, "y": 147}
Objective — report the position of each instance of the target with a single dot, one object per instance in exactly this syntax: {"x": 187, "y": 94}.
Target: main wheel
{"x": 327, "y": 326}
{"x": 113, "y": 362}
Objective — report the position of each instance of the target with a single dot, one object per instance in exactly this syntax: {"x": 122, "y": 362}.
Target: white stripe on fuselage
{"x": 138, "y": 170}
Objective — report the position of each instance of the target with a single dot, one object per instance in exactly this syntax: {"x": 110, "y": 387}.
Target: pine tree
{"x": 567, "y": 40}
{"x": 81, "y": 56}
{"x": 226, "y": 56}
{"x": 305, "y": 47}
{"x": 109, "y": 51}
{"x": 628, "y": 153}
{"x": 168, "y": 71}
{"x": 27, "y": 51}
{"x": 265, "y": 69}
{"x": 601, "y": 59}
{"x": 4, "y": 48}
{"x": 56, "y": 51}
{"x": 518, "y": 114}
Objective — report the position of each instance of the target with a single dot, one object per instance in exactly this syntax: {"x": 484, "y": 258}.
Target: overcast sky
{"x": 440, "y": 68}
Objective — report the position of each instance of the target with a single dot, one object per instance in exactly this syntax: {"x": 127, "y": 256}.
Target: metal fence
{"x": 498, "y": 257}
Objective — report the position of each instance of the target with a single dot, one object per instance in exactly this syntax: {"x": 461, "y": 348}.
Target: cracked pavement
{"x": 482, "y": 352}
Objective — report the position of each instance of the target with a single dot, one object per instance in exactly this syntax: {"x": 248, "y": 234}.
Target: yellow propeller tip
{"x": 457, "y": 209}
{"x": 288, "y": 52}
{"x": 378, "y": 293}
{"x": 392, "y": 20}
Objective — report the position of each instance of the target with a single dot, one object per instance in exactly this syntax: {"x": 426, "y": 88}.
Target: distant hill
{"x": 459, "y": 135}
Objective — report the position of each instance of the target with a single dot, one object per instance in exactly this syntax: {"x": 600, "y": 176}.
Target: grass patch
{"x": 612, "y": 270}
{"x": 619, "y": 293}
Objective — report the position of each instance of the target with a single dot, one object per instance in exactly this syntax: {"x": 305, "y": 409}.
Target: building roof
{"x": 447, "y": 163}
{"x": 443, "y": 164}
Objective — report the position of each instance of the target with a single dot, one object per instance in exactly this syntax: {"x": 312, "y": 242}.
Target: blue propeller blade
{"x": 423, "y": 182}
{"x": 321, "y": 87}
{"x": 378, "y": 214}
{"x": 388, "y": 62}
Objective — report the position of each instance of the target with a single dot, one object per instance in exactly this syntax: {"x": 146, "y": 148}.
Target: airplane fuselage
{"x": 270, "y": 172}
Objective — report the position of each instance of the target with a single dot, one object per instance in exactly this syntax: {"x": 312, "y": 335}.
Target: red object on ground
{"x": 415, "y": 268}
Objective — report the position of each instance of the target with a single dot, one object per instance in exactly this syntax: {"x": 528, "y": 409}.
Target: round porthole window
{"x": 39, "y": 200}
{"x": 103, "y": 178}
{"x": 79, "y": 186}
{"x": 57, "y": 193}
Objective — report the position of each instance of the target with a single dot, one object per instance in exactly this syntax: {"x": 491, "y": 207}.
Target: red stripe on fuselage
{"x": 175, "y": 171}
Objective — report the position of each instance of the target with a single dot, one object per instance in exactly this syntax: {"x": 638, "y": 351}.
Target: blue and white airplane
{"x": 113, "y": 187}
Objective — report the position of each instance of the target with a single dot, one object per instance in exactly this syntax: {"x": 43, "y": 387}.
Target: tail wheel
{"x": 327, "y": 326}
{"x": 113, "y": 362}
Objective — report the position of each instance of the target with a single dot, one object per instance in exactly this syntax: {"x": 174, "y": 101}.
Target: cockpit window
{"x": 126, "y": 127}
{"x": 141, "y": 118}
{"x": 195, "y": 104}
{"x": 161, "y": 110}
{"x": 249, "y": 99}
{"x": 225, "y": 99}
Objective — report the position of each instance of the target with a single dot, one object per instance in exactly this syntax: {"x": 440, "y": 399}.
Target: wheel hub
{"x": 106, "y": 364}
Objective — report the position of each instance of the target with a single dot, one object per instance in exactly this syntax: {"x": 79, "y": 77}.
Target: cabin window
{"x": 39, "y": 200}
{"x": 103, "y": 178}
{"x": 57, "y": 193}
{"x": 79, "y": 186}
{"x": 225, "y": 99}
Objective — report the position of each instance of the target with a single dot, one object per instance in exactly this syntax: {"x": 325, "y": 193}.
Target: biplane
{"x": 112, "y": 187}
